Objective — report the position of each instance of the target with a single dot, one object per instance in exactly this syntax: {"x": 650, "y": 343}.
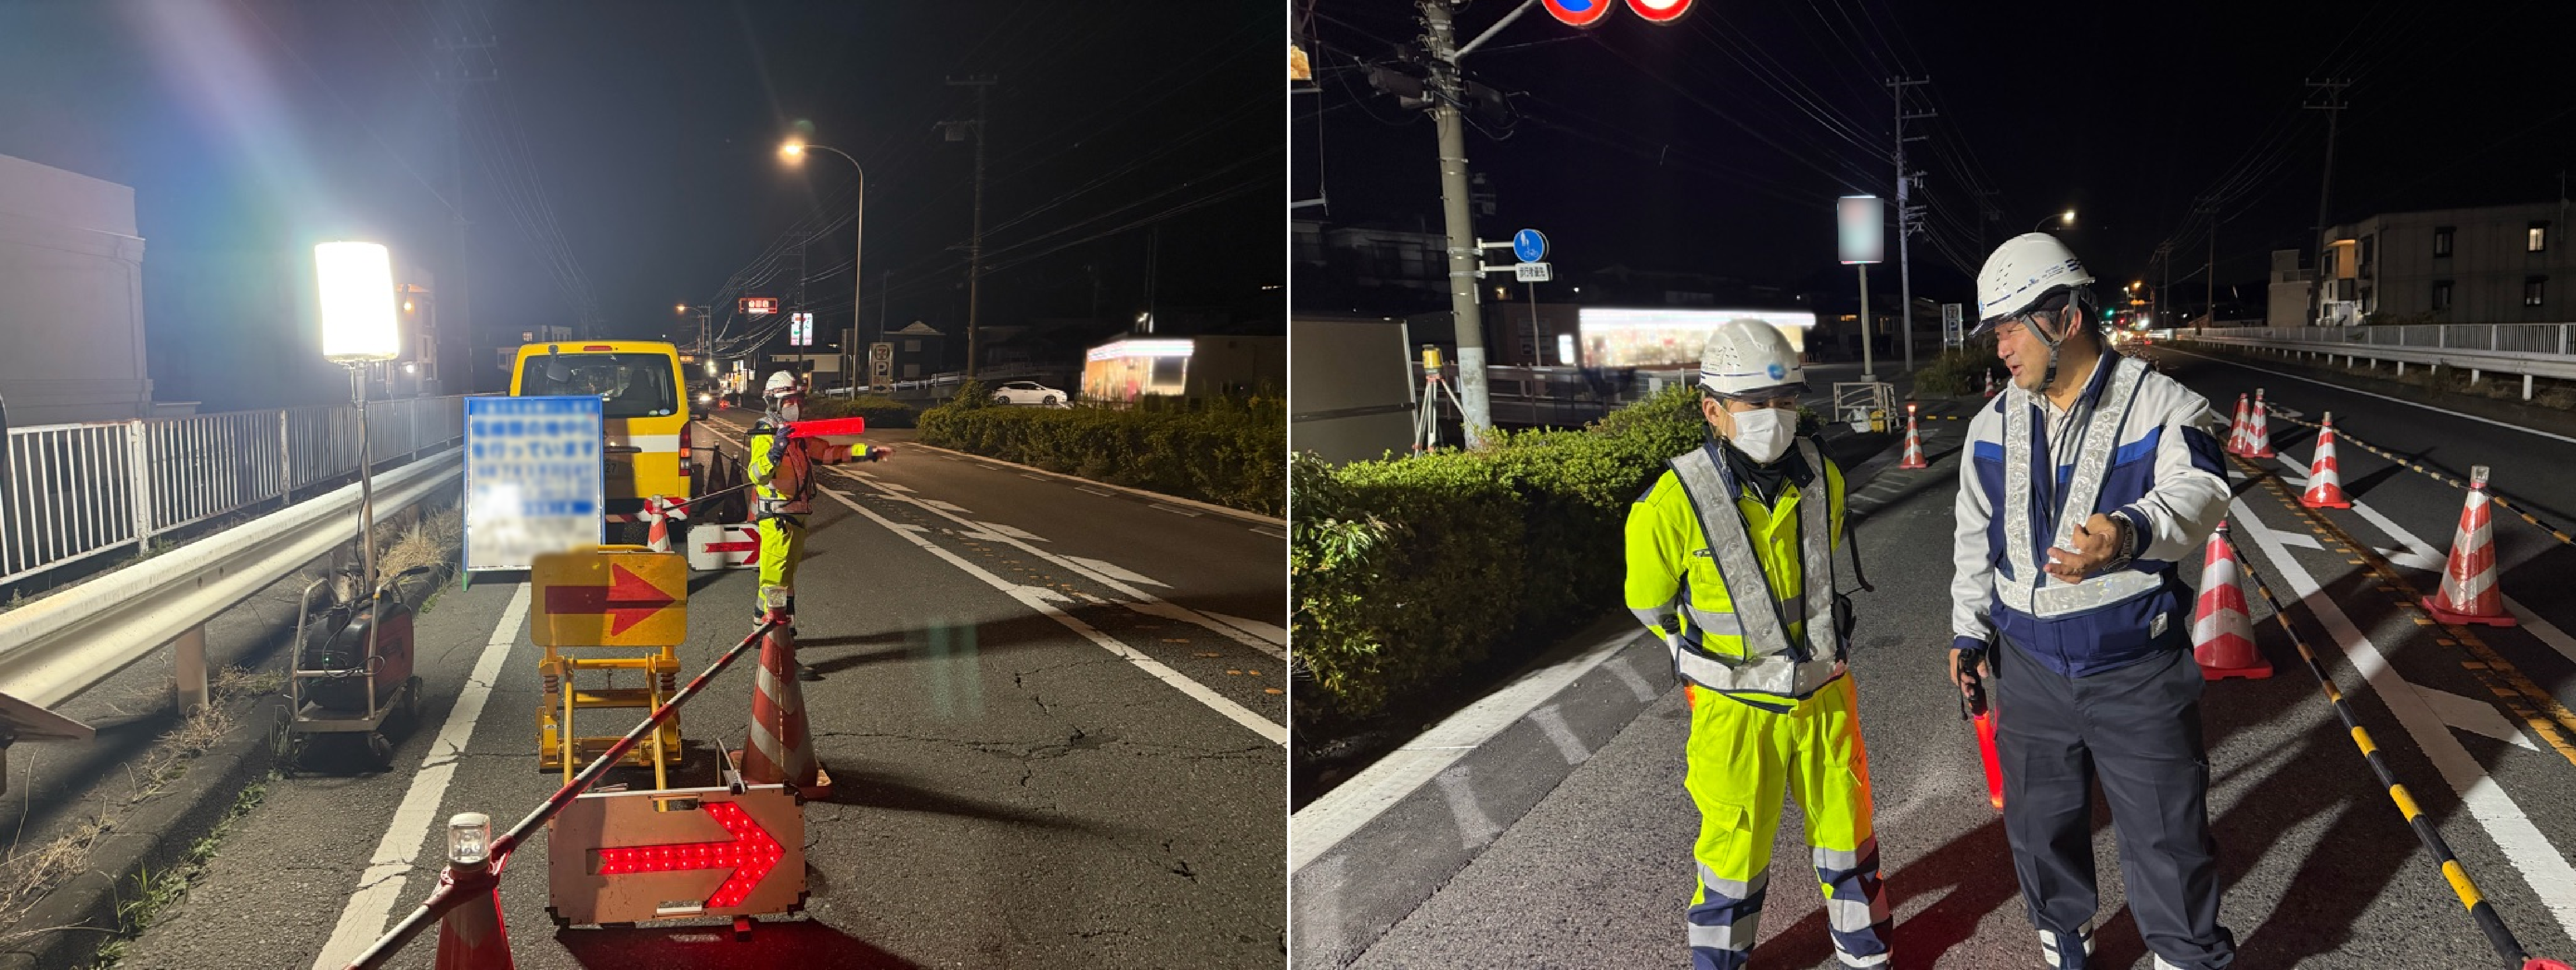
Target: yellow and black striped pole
{"x": 2505, "y": 502}
{"x": 2479, "y": 909}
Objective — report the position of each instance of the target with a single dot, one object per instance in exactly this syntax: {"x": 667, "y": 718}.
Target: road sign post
{"x": 1954, "y": 325}
{"x": 535, "y": 478}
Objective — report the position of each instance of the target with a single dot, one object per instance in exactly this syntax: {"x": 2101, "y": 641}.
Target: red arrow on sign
{"x": 751, "y": 853}
{"x": 628, "y": 600}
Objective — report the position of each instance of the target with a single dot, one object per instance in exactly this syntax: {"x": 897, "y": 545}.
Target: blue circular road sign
{"x": 1529, "y": 246}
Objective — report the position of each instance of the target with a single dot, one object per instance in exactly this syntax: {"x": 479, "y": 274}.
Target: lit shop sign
{"x": 1614, "y": 337}
{"x": 1141, "y": 348}
{"x": 1130, "y": 369}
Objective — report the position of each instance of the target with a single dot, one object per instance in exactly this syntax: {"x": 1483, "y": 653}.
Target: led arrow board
{"x": 624, "y": 857}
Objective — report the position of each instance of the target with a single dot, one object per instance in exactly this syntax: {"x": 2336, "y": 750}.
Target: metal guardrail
{"x": 58, "y": 646}
{"x": 75, "y": 491}
{"x": 2527, "y": 349}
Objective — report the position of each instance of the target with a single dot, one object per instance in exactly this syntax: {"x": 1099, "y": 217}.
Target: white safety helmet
{"x": 2028, "y": 273}
{"x": 780, "y": 385}
{"x": 1749, "y": 360}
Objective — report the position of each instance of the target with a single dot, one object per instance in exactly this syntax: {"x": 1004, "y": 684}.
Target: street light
{"x": 2065, "y": 219}
{"x": 794, "y": 152}
{"x": 356, "y": 284}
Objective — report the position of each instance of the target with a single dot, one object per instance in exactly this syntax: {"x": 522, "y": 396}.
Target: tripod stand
{"x": 1426, "y": 418}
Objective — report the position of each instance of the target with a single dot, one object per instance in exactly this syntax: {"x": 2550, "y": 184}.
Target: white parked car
{"x": 1028, "y": 392}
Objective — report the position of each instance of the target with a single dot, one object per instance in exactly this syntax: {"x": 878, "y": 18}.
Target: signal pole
{"x": 1465, "y": 258}
{"x": 1907, "y": 216}
{"x": 2333, "y": 107}
{"x": 459, "y": 76}
{"x": 975, "y": 249}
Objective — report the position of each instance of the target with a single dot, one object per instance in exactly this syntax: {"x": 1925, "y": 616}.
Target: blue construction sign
{"x": 535, "y": 478}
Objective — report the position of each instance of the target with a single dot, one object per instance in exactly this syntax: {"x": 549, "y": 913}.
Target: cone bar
{"x": 2222, "y": 628}
{"x": 1913, "y": 442}
{"x": 2325, "y": 479}
{"x": 2469, "y": 593}
{"x": 2258, "y": 436}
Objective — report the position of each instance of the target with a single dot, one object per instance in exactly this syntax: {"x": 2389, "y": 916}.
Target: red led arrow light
{"x": 631, "y": 599}
{"x": 820, "y": 427}
{"x": 1659, "y": 11}
{"x": 751, "y": 854}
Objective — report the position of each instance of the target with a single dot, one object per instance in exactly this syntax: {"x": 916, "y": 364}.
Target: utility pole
{"x": 975, "y": 248}
{"x": 459, "y": 75}
{"x": 2211, "y": 294}
{"x": 2164, "y": 290}
{"x": 2333, "y": 107}
{"x": 1465, "y": 258}
{"x": 1907, "y": 216}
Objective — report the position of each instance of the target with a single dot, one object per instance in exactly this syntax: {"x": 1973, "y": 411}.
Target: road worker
{"x": 1730, "y": 562}
{"x": 2087, "y": 479}
{"x": 782, "y": 479}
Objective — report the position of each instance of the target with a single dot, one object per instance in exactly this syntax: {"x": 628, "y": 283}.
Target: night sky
{"x": 643, "y": 141}
{"x": 1717, "y": 144}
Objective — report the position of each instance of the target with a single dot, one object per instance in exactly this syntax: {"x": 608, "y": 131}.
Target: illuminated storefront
{"x": 1126, "y": 370}
{"x": 1661, "y": 338}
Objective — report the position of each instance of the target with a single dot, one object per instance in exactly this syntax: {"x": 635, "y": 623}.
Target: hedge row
{"x": 1410, "y": 571}
{"x": 881, "y": 412}
{"x": 1226, "y": 452}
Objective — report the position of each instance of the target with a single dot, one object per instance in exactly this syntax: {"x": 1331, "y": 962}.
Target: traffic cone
{"x": 472, "y": 936}
{"x": 1913, "y": 442}
{"x": 1990, "y": 383}
{"x": 2325, "y": 478}
{"x": 780, "y": 750}
{"x": 658, "y": 514}
{"x": 2222, "y": 628}
{"x": 2468, "y": 593}
{"x": 2236, "y": 428}
{"x": 2258, "y": 437}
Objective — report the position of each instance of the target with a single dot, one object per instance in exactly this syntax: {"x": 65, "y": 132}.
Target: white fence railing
{"x": 2527, "y": 349}
{"x": 73, "y": 491}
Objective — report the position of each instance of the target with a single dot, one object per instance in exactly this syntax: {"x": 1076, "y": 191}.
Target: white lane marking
{"x": 1176, "y": 510}
{"x": 1107, "y": 568}
{"x": 2423, "y": 557}
{"x": 1551, "y": 722}
{"x": 2383, "y": 397}
{"x": 1146, "y": 604}
{"x": 1033, "y": 478}
{"x": 2300, "y": 539}
{"x": 1475, "y": 828}
{"x": 1000, "y": 529}
{"x": 2408, "y": 559}
{"x": 1041, "y": 599}
{"x": 1326, "y": 821}
{"x": 889, "y": 486}
{"x": 363, "y": 918}
{"x": 1257, "y": 628}
{"x": 2525, "y": 848}
{"x": 1636, "y": 682}
{"x": 1102, "y": 492}
{"x": 943, "y": 506}
{"x": 1268, "y": 531}
{"x": 2476, "y": 717}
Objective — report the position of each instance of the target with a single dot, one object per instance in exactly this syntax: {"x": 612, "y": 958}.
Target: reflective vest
{"x": 1739, "y": 620}
{"x": 2026, "y": 588}
{"x": 782, "y": 474}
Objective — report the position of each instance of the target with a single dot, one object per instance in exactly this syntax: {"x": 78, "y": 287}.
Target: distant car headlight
{"x": 706, "y": 398}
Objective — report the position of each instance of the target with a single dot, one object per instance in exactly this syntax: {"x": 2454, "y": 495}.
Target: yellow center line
{"x": 2535, "y": 706}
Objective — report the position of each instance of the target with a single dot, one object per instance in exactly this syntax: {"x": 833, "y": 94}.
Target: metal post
{"x": 286, "y": 457}
{"x": 1868, "y": 357}
{"x": 188, "y": 670}
{"x": 1466, "y": 316}
{"x": 1904, "y": 219}
{"x": 366, "y": 488}
{"x": 138, "y": 452}
{"x": 1538, "y": 351}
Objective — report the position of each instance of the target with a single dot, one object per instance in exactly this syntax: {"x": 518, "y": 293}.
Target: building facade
{"x": 2497, "y": 264}
{"x": 71, "y": 298}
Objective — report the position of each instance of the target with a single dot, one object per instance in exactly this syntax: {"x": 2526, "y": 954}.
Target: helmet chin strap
{"x": 2049, "y": 377}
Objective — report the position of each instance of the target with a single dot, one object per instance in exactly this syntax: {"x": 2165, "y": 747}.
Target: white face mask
{"x": 790, "y": 411}
{"x": 1763, "y": 435}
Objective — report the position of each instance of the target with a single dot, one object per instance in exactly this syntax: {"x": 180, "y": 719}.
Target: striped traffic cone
{"x": 2236, "y": 428}
{"x": 780, "y": 750}
{"x": 658, "y": 514}
{"x": 2222, "y": 628}
{"x": 2258, "y": 436}
{"x": 1913, "y": 442}
{"x": 1990, "y": 382}
{"x": 2468, "y": 593}
{"x": 2325, "y": 477}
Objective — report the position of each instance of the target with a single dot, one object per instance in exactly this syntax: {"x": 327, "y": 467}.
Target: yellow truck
{"x": 649, "y": 449}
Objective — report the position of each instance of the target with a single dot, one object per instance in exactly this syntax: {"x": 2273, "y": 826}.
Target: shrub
{"x": 881, "y": 412}
{"x": 1410, "y": 572}
{"x": 1225, "y": 452}
{"x": 1957, "y": 372}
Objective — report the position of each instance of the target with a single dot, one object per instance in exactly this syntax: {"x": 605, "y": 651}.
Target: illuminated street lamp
{"x": 356, "y": 280}
{"x": 794, "y": 152}
{"x": 2065, "y": 220}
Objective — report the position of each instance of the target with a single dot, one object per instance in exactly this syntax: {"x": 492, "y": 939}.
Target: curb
{"x": 1358, "y": 862}
{"x": 1234, "y": 513}
{"x": 156, "y": 836}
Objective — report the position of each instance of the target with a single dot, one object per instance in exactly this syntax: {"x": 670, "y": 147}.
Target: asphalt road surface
{"x": 1053, "y": 717}
{"x": 2318, "y": 866}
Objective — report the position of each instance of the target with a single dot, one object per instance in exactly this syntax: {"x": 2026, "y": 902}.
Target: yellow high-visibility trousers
{"x": 1742, "y": 759}
{"x": 782, "y": 543}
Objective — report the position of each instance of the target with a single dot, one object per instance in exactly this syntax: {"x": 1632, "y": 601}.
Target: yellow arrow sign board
{"x": 609, "y": 598}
